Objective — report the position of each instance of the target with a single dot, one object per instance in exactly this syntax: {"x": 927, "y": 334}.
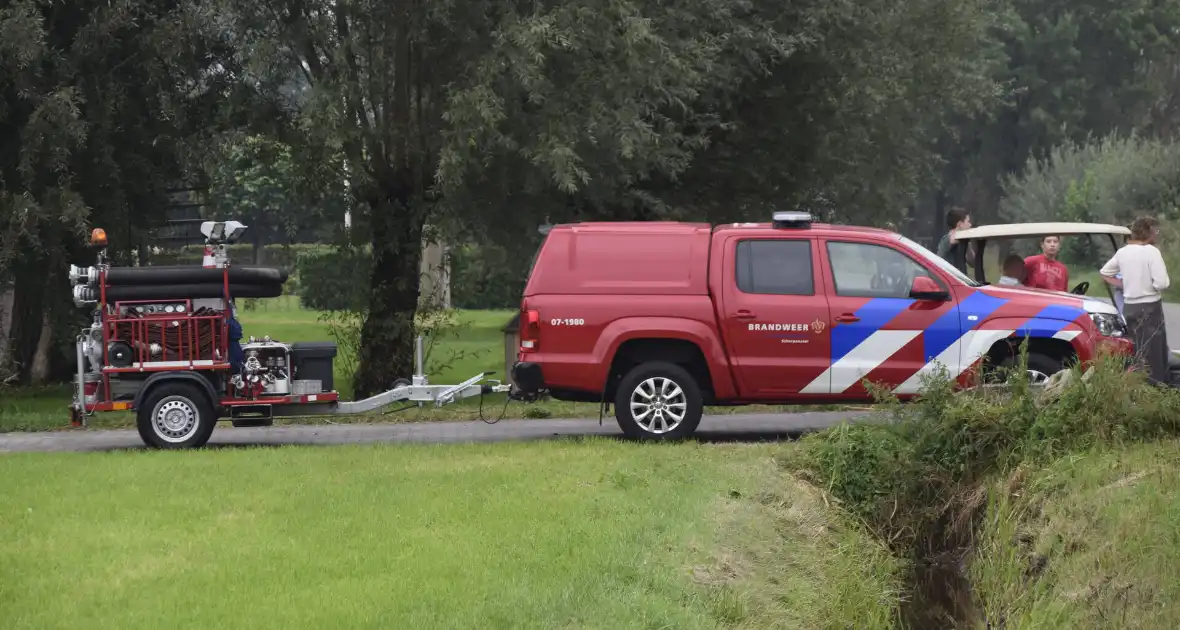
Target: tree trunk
{"x": 28, "y": 314}
{"x": 387, "y": 336}
{"x": 39, "y": 373}
{"x": 5, "y": 324}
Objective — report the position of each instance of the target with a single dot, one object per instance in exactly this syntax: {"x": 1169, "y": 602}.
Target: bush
{"x": 1108, "y": 180}
{"x": 482, "y": 277}
{"x": 335, "y": 280}
{"x": 282, "y": 256}
{"x": 906, "y": 475}
{"x": 488, "y": 276}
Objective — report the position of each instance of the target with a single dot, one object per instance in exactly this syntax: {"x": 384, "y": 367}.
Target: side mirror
{"x": 925, "y": 288}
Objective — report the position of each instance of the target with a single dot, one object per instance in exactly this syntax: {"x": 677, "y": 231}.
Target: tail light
{"x": 530, "y": 330}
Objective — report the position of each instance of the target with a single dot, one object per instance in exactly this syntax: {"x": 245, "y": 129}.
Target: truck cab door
{"x": 879, "y": 333}
{"x": 774, "y": 314}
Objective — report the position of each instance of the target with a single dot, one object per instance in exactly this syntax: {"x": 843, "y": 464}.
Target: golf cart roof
{"x": 1022, "y": 230}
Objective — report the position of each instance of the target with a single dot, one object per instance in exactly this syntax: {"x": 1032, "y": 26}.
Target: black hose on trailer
{"x": 193, "y": 274}
{"x": 189, "y": 291}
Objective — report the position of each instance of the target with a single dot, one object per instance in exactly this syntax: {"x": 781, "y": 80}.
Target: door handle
{"x": 847, "y": 318}
{"x": 744, "y": 314}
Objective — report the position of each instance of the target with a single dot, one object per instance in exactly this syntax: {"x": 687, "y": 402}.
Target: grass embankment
{"x": 467, "y": 343}
{"x": 571, "y": 534}
{"x": 1088, "y": 541}
{"x": 1035, "y": 493}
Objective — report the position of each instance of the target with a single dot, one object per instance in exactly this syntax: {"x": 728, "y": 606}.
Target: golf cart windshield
{"x": 938, "y": 261}
{"x": 982, "y": 235}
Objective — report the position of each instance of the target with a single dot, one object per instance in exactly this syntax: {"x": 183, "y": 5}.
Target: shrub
{"x": 335, "y": 280}
{"x": 486, "y": 276}
{"x": 1108, "y": 180}
{"x": 282, "y": 256}
{"x": 482, "y": 277}
{"x": 904, "y": 475}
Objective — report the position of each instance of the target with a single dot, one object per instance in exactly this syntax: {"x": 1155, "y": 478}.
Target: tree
{"x": 837, "y": 106}
{"x": 97, "y": 101}
{"x": 848, "y": 124}
{"x": 1075, "y": 68}
{"x": 426, "y": 100}
{"x": 254, "y": 179}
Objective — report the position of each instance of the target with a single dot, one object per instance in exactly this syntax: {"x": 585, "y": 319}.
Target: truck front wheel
{"x": 175, "y": 415}
{"x": 658, "y": 401}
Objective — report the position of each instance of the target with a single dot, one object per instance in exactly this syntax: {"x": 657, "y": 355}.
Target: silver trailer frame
{"x": 418, "y": 390}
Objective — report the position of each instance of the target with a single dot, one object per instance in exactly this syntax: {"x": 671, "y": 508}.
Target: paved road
{"x": 716, "y": 428}
{"x": 736, "y": 427}
{"x": 1172, "y": 322}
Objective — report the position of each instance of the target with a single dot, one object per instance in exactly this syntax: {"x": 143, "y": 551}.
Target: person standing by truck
{"x": 949, "y": 248}
{"x": 1138, "y": 270}
{"x": 1044, "y": 271}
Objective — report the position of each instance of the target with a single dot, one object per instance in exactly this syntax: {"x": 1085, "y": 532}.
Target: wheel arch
{"x": 678, "y": 351}
{"x": 620, "y": 336}
{"x": 1009, "y": 347}
{"x": 161, "y": 378}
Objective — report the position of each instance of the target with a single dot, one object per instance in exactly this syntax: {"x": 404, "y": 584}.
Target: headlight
{"x": 1109, "y": 325}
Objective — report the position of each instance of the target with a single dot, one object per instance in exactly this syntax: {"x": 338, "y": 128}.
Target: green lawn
{"x": 471, "y": 344}
{"x": 571, "y": 534}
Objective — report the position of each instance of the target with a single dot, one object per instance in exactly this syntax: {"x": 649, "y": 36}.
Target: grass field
{"x": 571, "y": 534}
{"x": 473, "y": 343}
{"x": 1097, "y": 531}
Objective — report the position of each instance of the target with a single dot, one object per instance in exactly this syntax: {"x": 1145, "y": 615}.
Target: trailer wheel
{"x": 658, "y": 401}
{"x": 175, "y": 415}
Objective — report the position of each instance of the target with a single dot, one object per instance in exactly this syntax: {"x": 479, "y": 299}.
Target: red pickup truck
{"x": 663, "y": 318}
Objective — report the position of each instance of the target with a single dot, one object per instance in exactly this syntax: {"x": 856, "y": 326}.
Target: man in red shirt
{"x": 1044, "y": 271}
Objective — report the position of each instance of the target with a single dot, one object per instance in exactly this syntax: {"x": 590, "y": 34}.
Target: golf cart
{"x": 1012, "y": 231}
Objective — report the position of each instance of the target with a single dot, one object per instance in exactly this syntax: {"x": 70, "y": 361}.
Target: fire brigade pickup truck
{"x": 662, "y": 318}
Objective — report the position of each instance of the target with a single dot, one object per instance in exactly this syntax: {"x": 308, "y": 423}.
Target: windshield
{"x": 938, "y": 261}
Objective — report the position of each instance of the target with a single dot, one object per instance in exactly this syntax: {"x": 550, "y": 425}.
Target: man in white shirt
{"x": 1138, "y": 270}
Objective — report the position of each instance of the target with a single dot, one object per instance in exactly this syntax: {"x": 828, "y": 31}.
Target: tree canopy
{"x": 482, "y": 119}
{"x": 606, "y": 109}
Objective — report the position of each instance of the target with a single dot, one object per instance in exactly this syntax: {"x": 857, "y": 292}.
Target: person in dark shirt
{"x": 951, "y": 250}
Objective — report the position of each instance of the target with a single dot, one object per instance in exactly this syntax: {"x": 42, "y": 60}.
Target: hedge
{"x": 284, "y": 256}
{"x": 334, "y": 280}
{"x": 488, "y": 276}
{"x": 482, "y": 276}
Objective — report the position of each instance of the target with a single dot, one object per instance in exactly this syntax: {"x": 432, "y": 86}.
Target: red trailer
{"x": 165, "y": 343}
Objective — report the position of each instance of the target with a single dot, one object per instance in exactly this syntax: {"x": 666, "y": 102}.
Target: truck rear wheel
{"x": 175, "y": 415}
{"x": 658, "y": 401}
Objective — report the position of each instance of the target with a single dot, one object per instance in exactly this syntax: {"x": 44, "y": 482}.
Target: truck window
{"x": 865, "y": 270}
{"x": 775, "y": 267}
